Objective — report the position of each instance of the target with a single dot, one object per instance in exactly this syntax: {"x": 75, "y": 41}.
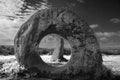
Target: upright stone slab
{"x": 86, "y": 59}
{"x": 58, "y": 53}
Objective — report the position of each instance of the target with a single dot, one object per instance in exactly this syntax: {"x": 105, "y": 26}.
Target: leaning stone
{"x": 58, "y": 52}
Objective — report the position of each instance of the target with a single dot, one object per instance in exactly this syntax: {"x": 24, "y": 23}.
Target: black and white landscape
{"x": 103, "y": 17}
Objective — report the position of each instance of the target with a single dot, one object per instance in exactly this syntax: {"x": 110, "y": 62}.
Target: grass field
{"x": 111, "y": 61}
{"x": 8, "y": 63}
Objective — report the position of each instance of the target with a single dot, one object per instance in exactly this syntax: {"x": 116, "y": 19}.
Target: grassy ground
{"x": 8, "y": 65}
{"x": 112, "y": 62}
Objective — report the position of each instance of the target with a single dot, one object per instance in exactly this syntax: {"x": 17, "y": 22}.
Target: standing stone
{"x": 58, "y": 52}
{"x": 86, "y": 59}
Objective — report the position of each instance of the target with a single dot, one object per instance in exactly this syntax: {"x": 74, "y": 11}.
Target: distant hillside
{"x": 9, "y": 50}
{"x": 110, "y": 51}
{"x": 6, "y": 50}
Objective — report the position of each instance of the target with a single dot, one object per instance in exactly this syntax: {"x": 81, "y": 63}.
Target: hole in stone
{"x": 55, "y": 50}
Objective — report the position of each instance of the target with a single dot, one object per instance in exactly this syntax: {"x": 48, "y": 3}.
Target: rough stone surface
{"x": 86, "y": 59}
{"x": 59, "y": 51}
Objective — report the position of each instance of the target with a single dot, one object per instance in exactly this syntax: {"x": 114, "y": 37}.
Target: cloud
{"x": 94, "y": 26}
{"x": 115, "y": 20}
{"x": 7, "y": 30}
{"x": 103, "y": 38}
{"x": 118, "y": 33}
{"x": 108, "y": 39}
{"x": 10, "y": 7}
{"x": 106, "y": 34}
{"x": 46, "y": 1}
{"x": 10, "y": 21}
{"x": 81, "y": 1}
{"x": 113, "y": 41}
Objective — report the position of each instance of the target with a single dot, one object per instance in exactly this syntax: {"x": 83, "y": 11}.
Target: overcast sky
{"x": 102, "y": 15}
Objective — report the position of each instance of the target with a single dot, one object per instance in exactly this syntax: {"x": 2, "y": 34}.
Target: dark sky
{"x": 95, "y": 12}
{"x": 102, "y": 15}
{"x": 106, "y": 14}
{"x": 101, "y": 12}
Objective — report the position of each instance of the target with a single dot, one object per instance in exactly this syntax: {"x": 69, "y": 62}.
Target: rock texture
{"x": 59, "y": 51}
{"x": 86, "y": 59}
